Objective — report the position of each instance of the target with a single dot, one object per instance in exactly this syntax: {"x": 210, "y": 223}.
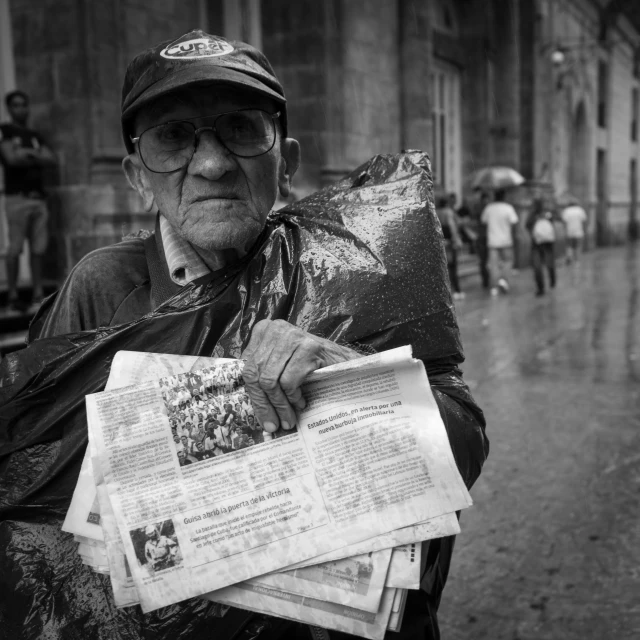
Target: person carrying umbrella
{"x": 500, "y": 218}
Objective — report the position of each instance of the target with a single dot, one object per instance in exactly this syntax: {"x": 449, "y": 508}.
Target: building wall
{"x": 568, "y": 136}
{"x": 70, "y": 57}
{"x": 358, "y": 77}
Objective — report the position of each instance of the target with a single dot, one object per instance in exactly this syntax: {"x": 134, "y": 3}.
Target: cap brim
{"x": 195, "y": 74}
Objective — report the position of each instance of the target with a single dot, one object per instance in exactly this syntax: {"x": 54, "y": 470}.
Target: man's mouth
{"x": 215, "y": 197}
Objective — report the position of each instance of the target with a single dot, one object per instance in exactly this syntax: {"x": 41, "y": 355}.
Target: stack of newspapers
{"x": 181, "y": 494}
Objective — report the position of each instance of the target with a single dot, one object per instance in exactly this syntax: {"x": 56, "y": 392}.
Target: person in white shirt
{"x": 222, "y": 434}
{"x": 543, "y": 237}
{"x": 187, "y": 444}
{"x": 575, "y": 219}
{"x": 500, "y": 219}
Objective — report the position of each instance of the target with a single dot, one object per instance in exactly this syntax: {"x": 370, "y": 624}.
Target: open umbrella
{"x": 566, "y": 199}
{"x": 494, "y": 178}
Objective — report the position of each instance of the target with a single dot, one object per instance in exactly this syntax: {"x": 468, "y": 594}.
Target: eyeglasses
{"x": 169, "y": 147}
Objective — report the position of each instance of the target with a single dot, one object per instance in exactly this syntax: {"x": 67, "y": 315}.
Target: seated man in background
{"x": 24, "y": 154}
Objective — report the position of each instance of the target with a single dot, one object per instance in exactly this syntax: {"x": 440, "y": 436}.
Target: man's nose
{"x": 211, "y": 159}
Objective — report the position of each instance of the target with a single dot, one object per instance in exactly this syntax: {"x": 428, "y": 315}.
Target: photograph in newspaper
{"x": 156, "y": 546}
{"x": 209, "y": 413}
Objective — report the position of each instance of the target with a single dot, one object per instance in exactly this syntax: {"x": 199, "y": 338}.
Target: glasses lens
{"x": 167, "y": 147}
{"x": 246, "y": 133}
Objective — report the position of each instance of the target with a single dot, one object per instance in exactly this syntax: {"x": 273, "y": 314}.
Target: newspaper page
{"x": 446, "y": 525}
{"x": 328, "y": 615}
{"x": 256, "y": 509}
{"x": 404, "y": 569}
{"x": 355, "y": 582}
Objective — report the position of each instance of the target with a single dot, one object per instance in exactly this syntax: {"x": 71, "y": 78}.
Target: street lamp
{"x": 557, "y": 57}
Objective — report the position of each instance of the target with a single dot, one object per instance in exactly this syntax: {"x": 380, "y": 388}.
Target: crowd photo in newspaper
{"x": 205, "y": 424}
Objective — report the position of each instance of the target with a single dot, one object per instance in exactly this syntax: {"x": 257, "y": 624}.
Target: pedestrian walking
{"x": 500, "y": 219}
{"x": 452, "y": 242}
{"x": 574, "y": 218}
{"x": 482, "y": 247}
{"x": 24, "y": 155}
{"x": 543, "y": 238}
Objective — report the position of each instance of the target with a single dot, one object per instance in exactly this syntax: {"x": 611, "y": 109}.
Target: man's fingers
{"x": 286, "y": 414}
{"x": 296, "y": 399}
{"x": 264, "y": 411}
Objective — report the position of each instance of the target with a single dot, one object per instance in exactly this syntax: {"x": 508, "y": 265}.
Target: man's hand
{"x": 278, "y": 358}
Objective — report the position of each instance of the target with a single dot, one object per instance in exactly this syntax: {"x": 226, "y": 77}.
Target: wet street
{"x": 551, "y": 549}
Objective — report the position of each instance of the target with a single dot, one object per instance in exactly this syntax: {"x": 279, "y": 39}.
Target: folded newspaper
{"x": 182, "y": 494}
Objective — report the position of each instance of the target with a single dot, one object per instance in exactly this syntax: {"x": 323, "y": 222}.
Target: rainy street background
{"x": 548, "y": 90}
{"x": 550, "y": 550}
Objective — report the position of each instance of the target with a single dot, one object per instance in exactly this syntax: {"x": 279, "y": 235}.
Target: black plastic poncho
{"x": 361, "y": 261}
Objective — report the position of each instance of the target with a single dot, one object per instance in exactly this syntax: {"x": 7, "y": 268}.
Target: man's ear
{"x": 289, "y": 163}
{"x": 138, "y": 180}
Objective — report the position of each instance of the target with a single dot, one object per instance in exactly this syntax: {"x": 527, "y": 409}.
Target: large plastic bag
{"x": 359, "y": 262}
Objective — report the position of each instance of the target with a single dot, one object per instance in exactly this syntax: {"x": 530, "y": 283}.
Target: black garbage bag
{"x": 360, "y": 262}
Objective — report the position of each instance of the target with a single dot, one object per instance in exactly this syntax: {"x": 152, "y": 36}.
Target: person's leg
{"x": 493, "y": 270}
{"x": 483, "y": 258}
{"x": 12, "y": 263}
{"x": 38, "y": 239}
{"x": 17, "y": 221}
{"x": 536, "y": 263}
{"x": 550, "y": 262}
{"x": 577, "y": 248}
{"x": 506, "y": 260}
{"x": 570, "y": 250}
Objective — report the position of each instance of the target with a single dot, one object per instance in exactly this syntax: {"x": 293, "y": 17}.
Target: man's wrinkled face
{"x": 219, "y": 201}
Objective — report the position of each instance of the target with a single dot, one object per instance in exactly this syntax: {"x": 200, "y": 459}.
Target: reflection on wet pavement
{"x": 552, "y": 547}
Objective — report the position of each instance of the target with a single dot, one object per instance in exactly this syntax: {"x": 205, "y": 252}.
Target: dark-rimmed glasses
{"x": 169, "y": 147}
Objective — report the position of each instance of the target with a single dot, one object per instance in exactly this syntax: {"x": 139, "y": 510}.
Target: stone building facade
{"x": 549, "y": 87}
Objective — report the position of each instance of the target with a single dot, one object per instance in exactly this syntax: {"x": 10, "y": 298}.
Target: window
{"x": 634, "y": 114}
{"x": 603, "y": 81}
{"x": 7, "y": 69}
{"x": 446, "y": 156}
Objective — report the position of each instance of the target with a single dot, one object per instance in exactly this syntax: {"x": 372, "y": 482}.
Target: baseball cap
{"x": 190, "y": 59}
{"x": 149, "y": 530}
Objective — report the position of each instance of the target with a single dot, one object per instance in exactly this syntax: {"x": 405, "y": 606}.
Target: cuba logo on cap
{"x": 196, "y": 48}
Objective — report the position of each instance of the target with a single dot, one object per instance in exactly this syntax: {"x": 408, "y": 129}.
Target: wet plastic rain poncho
{"x": 360, "y": 262}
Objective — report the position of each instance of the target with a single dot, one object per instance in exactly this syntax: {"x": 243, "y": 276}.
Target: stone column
{"x": 416, "y": 55}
